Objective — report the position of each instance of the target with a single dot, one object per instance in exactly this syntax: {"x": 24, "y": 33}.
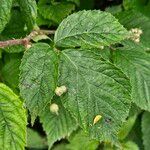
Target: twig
{"x": 25, "y": 41}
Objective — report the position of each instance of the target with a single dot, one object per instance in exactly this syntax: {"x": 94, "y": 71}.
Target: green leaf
{"x": 14, "y": 49}
{"x": 136, "y": 64}
{"x": 56, "y": 11}
{"x": 89, "y": 29}
{"x": 146, "y": 130}
{"x": 34, "y": 140}
{"x": 134, "y": 19}
{"x": 80, "y": 140}
{"x": 10, "y": 70}
{"x": 38, "y": 78}
{"x": 93, "y": 85}
{"x": 57, "y": 126}
{"x": 130, "y": 145}
{"x": 12, "y": 120}
{"x": 126, "y": 128}
{"x": 29, "y": 12}
{"x": 16, "y": 26}
{"x": 5, "y": 9}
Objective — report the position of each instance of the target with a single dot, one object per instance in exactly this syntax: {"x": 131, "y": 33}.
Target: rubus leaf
{"x": 133, "y": 19}
{"x": 136, "y": 64}
{"x": 12, "y": 120}
{"x": 89, "y": 29}
{"x": 57, "y": 125}
{"x": 56, "y": 12}
{"x": 38, "y": 77}
{"x": 29, "y": 12}
{"x": 5, "y": 9}
{"x": 95, "y": 87}
{"x": 146, "y": 130}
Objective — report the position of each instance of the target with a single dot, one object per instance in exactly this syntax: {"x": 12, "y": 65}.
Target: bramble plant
{"x": 73, "y": 75}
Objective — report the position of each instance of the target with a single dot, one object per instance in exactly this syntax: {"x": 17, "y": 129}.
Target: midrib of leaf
{"x": 77, "y": 77}
{"x": 6, "y": 122}
{"x": 77, "y": 68}
{"x": 88, "y": 85}
{"x": 88, "y": 34}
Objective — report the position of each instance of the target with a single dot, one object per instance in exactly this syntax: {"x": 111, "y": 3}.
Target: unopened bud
{"x": 60, "y": 90}
{"x": 54, "y": 108}
{"x": 135, "y": 34}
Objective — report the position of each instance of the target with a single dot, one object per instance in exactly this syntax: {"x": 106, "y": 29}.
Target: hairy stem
{"x": 25, "y": 41}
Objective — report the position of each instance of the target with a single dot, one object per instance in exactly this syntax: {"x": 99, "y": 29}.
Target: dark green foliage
{"x": 74, "y": 79}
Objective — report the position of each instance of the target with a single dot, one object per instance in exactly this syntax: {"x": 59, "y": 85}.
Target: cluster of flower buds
{"x": 135, "y": 34}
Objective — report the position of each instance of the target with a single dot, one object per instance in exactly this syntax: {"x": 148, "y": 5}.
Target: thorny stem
{"x": 25, "y": 41}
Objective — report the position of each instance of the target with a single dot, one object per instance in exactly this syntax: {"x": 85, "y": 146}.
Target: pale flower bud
{"x": 60, "y": 90}
{"x": 54, "y": 108}
{"x": 135, "y": 34}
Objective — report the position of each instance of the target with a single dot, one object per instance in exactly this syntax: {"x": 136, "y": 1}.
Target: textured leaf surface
{"x": 146, "y": 130}
{"x": 12, "y": 121}
{"x": 5, "y": 9}
{"x": 57, "y": 11}
{"x": 29, "y": 12}
{"x": 89, "y": 29}
{"x": 95, "y": 87}
{"x": 133, "y": 19}
{"x": 136, "y": 65}
{"x": 38, "y": 77}
{"x": 59, "y": 125}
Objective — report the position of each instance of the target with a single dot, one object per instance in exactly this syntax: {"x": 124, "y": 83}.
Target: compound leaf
{"x": 98, "y": 92}
{"x": 57, "y": 126}
{"x": 89, "y": 29}
{"x": 12, "y": 120}
{"x": 38, "y": 77}
{"x": 5, "y": 9}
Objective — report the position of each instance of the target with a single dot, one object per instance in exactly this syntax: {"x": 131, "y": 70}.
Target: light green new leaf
{"x": 56, "y": 12}
{"x": 89, "y": 29}
{"x": 57, "y": 125}
{"x": 38, "y": 78}
{"x": 12, "y": 120}
{"x": 29, "y": 12}
{"x": 95, "y": 87}
{"x": 146, "y": 130}
{"x": 136, "y": 64}
{"x": 5, "y": 9}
